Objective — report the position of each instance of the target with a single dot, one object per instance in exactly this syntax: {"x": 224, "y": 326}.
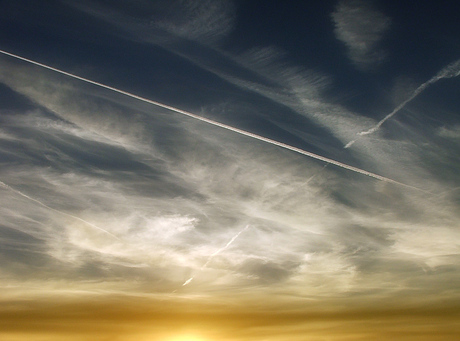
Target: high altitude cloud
{"x": 361, "y": 27}
{"x": 206, "y": 21}
{"x": 173, "y": 200}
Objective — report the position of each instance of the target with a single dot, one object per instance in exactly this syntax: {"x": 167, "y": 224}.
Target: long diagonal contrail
{"x": 450, "y": 71}
{"x": 218, "y": 124}
{"x": 4, "y": 185}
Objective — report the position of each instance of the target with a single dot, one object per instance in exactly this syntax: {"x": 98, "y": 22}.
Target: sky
{"x": 222, "y": 170}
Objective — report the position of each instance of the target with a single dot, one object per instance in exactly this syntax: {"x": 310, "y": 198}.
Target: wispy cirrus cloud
{"x": 361, "y": 27}
{"x": 205, "y": 21}
{"x": 175, "y": 191}
{"x": 450, "y": 132}
{"x": 174, "y": 204}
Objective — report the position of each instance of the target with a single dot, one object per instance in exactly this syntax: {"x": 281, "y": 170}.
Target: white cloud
{"x": 175, "y": 201}
{"x": 361, "y": 28}
{"x": 205, "y": 21}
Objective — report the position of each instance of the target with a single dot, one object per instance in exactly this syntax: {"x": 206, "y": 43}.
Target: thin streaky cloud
{"x": 450, "y": 71}
{"x": 291, "y": 86}
{"x": 8, "y": 187}
{"x": 218, "y": 124}
{"x": 205, "y": 20}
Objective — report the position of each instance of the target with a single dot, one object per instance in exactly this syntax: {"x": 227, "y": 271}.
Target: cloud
{"x": 151, "y": 220}
{"x": 174, "y": 199}
{"x": 450, "y": 132}
{"x": 361, "y": 27}
{"x": 265, "y": 71}
{"x": 450, "y": 71}
{"x": 204, "y": 21}
{"x": 174, "y": 191}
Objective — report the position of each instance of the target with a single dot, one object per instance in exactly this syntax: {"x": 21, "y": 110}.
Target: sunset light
{"x": 187, "y": 338}
{"x": 229, "y": 170}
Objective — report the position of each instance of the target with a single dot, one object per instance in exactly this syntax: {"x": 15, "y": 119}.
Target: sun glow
{"x": 187, "y": 337}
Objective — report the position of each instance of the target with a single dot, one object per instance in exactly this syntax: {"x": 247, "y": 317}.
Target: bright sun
{"x": 187, "y": 338}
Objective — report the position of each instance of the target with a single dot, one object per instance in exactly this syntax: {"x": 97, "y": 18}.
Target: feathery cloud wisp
{"x": 361, "y": 27}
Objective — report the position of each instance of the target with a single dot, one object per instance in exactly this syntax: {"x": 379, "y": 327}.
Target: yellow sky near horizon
{"x": 147, "y": 319}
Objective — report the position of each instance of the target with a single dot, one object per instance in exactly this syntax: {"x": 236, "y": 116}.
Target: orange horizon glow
{"x": 186, "y": 338}
{"x": 150, "y": 320}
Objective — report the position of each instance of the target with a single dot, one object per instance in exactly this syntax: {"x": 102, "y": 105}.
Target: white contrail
{"x": 451, "y": 70}
{"x": 4, "y": 185}
{"x": 218, "y": 124}
{"x": 187, "y": 281}
{"x": 217, "y": 252}
{"x": 225, "y": 247}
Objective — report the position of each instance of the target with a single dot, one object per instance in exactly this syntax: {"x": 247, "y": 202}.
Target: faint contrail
{"x": 217, "y": 252}
{"x": 4, "y": 185}
{"x": 218, "y": 124}
{"x": 225, "y": 247}
{"x": 451, "y": 70}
